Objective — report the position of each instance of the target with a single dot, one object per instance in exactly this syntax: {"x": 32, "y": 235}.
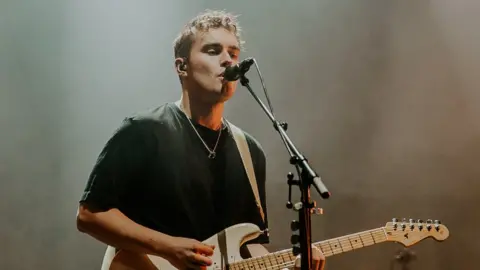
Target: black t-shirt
{"x": 156, "y": 170}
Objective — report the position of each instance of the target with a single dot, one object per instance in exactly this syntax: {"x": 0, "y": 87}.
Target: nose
{"x": 226, "y": 60}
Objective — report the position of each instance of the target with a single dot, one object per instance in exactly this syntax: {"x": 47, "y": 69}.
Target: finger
{"x": 322, "y": 265}
{"x": 317, "y": 254}
{"x": 298, "y": 262}
{"x": 199, "y": 259}
{"x": 203, "y": 249}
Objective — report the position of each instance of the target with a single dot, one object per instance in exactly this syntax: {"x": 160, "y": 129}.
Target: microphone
{"x": 233, "y": 73}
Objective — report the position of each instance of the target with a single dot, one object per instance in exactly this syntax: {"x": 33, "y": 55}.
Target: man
{"x": 173, "y": 176}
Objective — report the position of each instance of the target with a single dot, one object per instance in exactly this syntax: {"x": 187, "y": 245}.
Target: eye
{"x": 212, "y": 52}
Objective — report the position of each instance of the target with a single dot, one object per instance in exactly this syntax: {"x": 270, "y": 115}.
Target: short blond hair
{"x": 209, "y": 19}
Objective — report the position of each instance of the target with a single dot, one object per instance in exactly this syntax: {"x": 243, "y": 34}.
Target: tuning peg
{"x": 394, "y": 221}
{"x": 420, "y": 224}
{"x": 411, "y": 224}
{"x": 437, "y": 225}
{"x": 404, "y": 220}
{"x": 429, "y": 224}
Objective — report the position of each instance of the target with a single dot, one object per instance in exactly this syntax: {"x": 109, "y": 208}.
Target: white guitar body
{"x": 227, "y": 250}
{"x": 228, "y": 242}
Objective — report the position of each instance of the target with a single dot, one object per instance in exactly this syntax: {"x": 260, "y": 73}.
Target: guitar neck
{"x": 285, "y": 258}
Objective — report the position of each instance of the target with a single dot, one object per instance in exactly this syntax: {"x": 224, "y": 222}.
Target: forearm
{"x": 113, "y": 228}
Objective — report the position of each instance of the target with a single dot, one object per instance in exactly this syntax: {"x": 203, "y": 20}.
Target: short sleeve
{"x": 121, "y": 162}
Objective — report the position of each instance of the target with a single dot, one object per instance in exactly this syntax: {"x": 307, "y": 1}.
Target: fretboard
{"x": 285, "y": 258}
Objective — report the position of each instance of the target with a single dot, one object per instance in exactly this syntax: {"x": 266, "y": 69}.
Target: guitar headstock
{"x": 411, "y": 232}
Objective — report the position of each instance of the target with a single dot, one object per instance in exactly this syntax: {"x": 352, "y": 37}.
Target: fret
{"x": 355, "y": 241}
{"x": 271, "y": 261}
{"x": 256, "y": 264}
{"x": 379, "y": 236}
{"x": 291, "y": 257}
{"x": 246, "y": 265}
{"x": 250, "y": 265}
{"x": 367, "y": 239}
{"x": 285, "y": 258}
{"x": 325, "y": 248}
{"x": 335, "y": 246}
{"x": 266, "y": 261}
{"x": 279, "y": 258}
{"x": 274, "y": 258}
{"x": 345, "y": 244}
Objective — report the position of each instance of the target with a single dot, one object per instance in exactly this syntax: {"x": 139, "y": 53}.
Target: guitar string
{"x": 373, "y": 233}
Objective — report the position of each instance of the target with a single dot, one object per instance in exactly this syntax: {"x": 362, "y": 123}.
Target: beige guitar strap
{"x": 242, "y": 146}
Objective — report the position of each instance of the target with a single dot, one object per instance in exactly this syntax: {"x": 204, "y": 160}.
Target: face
{"x": 210, "y": 54}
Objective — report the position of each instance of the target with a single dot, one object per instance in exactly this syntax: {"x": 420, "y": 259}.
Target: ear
{"x": 181, "y": 66}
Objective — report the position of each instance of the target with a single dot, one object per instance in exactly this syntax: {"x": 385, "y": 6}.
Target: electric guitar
{"x": 227, "y": 245}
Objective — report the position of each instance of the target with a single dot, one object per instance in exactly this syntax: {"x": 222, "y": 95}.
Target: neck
{"x": 206, "y": 114}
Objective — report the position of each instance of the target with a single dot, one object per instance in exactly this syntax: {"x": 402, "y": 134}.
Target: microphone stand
{"x": 307, "y": 177}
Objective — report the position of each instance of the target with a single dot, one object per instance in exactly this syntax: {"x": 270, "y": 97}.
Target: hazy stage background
{"x": 381, "y": 96}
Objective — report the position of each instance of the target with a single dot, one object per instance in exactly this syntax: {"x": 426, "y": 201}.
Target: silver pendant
{"x": 211, "y": 155}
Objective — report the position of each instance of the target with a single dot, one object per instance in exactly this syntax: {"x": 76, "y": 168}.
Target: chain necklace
{"x": 212, "y": 154}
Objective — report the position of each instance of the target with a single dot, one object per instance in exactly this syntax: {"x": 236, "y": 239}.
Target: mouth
{"x": 221, "y": 76}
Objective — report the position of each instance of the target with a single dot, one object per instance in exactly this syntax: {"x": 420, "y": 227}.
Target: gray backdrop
{"x": 381, "y": 96}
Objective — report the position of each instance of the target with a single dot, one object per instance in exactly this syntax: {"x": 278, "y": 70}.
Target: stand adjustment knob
{"x": 289, "y": 205}
{"x": 296, "y": 250}
{"x": 295, "y": 239}
{"x": 294, "y": 225}
{"x": 298, "y": 206}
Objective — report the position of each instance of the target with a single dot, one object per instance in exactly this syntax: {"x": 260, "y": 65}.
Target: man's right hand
{"x": 186, "y": 253}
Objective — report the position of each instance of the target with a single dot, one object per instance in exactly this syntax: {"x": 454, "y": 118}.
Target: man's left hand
{"x": 318, "y": 260}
